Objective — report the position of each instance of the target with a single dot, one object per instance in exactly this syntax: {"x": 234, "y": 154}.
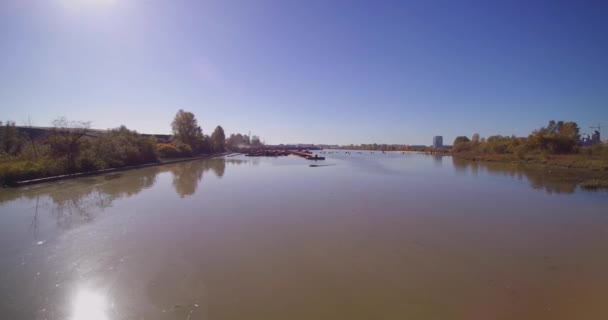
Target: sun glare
{"x": 89, "y": 305}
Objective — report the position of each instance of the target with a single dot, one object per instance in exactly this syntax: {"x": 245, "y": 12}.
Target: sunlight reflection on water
{"x": 89, "y": 305}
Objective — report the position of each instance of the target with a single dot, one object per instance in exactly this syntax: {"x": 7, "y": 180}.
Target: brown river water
{"x": 372, "y": 236}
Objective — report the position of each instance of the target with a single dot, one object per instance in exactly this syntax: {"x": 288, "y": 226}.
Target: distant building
{"x": 438, "y": 142}
{"x": 589, "y": 140}
{"x": 595, "y": 137}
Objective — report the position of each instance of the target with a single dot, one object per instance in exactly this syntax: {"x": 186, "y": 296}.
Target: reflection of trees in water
{"x": 76, "y": 201}
{"x": 187, "y": 175}
{"x": 93, "y": 194}
{"x": 554, "y": 180}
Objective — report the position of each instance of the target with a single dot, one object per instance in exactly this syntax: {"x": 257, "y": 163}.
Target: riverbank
{"x": 588, "y": 171}
{"x": 110, "y": 170}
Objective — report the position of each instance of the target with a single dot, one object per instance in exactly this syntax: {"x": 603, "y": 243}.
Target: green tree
{"x": 187, "y": 131}
{"x": 123, "y": 147}
{"x": 10, "y": 141}
{"x": 65, "y": 140}
{"x": 461, "y": 139}
{"x": 218, "y": 139}
{"x": 461, "y": 144}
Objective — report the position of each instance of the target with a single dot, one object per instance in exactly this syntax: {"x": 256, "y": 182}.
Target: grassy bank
{"x": 589, "y": 170}
{"x": 18, "y": 173}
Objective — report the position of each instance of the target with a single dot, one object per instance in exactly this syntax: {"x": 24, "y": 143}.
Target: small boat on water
{"x": 315, "y": 157}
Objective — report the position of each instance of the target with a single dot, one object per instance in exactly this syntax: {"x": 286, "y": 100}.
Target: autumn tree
{"x": 556, "y": 137}
{"x": 187, "y": 131}
{"x": 218, "y": 139}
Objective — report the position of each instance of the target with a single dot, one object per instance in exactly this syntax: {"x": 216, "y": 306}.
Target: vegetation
{"x": 218, "y": 140}
{"x": 9, "y": 139}
{"x": 188, "y": 139}
{"x": 72, "y": 147}
{"x": 187, "y": 131}
{"x": 121, "y": 147}
{"x": 556, "y": 145}
{"x": 238, "y": 142}
{"x": 557, "y": 138}
{"x": 65, "y": 141}
{"x": 255, "y": 142}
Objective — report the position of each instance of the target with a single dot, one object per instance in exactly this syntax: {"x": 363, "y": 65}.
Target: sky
{"x": 333, "y": 72}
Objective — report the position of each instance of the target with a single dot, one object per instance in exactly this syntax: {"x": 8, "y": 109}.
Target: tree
{"x": 255, "y": 141}
{"x": 10, "y": 142}
{"x": 65, "y": 140}
{"x": 475, "y": 138}
{"x": 556, "y": 137}
{"x": 218, "y": 139}
{"x": 237, "y": 141}
{"x": 461, "y": 139}
{"x": 123, "y": 147}
{"x": 186, "y": 130}
{"x": 461, "y": 143}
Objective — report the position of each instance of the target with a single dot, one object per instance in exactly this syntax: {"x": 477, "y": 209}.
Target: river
{"x": 369, "y": 236}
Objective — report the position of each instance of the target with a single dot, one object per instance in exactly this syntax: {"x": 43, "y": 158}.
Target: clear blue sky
{"x": 307, "y": 71}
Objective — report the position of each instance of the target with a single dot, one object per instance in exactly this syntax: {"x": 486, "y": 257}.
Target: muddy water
{"x": 373, "y": 236}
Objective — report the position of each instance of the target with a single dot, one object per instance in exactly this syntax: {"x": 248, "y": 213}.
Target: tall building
{"x": 438, "y": 142}
{"x": 595, "y": 137}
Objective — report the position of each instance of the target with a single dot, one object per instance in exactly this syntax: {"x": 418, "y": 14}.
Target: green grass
{"x": 13, "y": 170}
{"x": 589, "y": 170}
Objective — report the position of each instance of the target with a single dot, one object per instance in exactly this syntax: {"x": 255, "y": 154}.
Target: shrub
{"x": 184, "y": 150}
{"x": 15, "y": 170}
{"x": 122, "y": 147}
{"x": 166, "y": 150}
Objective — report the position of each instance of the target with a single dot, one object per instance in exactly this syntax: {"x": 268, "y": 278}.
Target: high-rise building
{"x": 438, "y": 142}
{"x": 595, "y": 137}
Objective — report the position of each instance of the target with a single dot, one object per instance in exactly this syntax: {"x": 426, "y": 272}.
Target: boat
{"x": 315, "y": 157}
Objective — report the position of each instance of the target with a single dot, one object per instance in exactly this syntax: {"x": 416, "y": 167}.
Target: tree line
{"x": 72, "y": 146}
{"x": 556, "y": 138}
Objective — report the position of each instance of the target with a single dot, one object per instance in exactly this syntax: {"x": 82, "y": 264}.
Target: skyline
{"x": 323, "y": 73}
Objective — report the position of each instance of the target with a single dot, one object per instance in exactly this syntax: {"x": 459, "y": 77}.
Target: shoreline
{"x": 587, "y": 172}
{"x": 110, "y": 170}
